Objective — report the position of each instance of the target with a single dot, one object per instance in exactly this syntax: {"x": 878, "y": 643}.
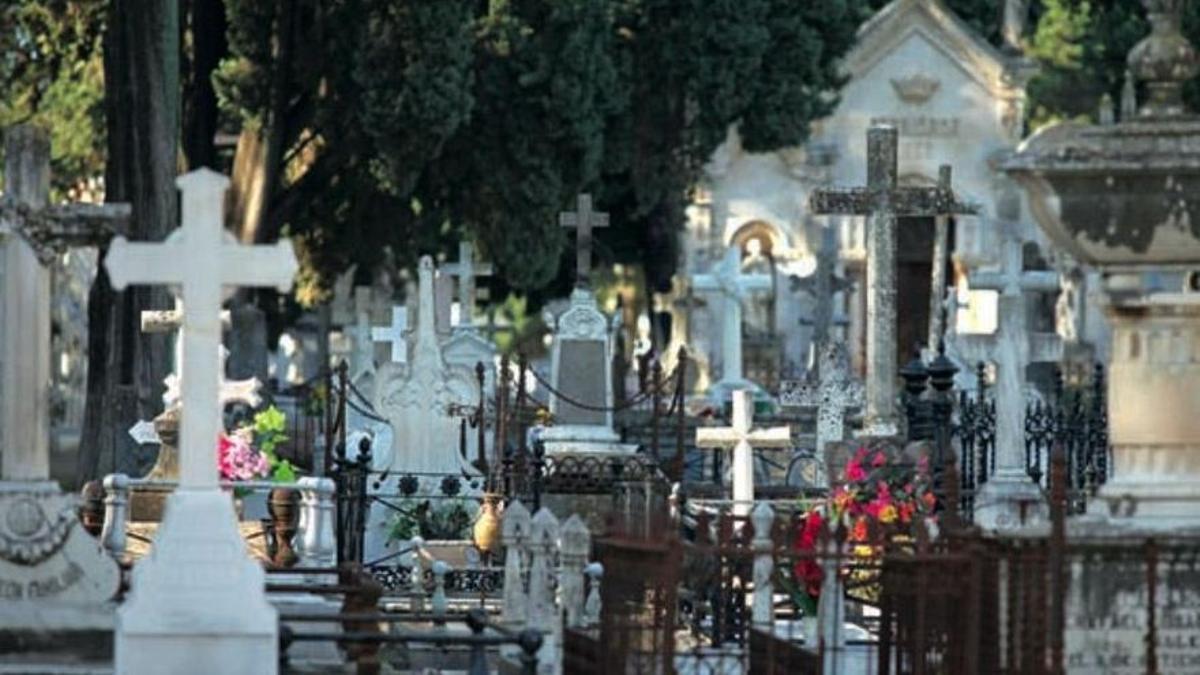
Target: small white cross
{"x": 741, "y": 437}
{"x": 583, "y": 219}
{"x": 394, "y": 334}
{"x": 201, "y": 260}
{"x": 467, "y": 271}
{"x": 228, "y": 391}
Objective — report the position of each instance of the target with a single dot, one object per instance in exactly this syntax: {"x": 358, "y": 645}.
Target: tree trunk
{"x": 126, "y": 368}
{"x": 200, "y": 115}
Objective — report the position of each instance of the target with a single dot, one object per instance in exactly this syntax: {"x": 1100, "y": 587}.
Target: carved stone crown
{"x": 916, "y": 88}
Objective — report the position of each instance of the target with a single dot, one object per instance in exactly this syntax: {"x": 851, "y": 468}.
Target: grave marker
{"x": 832, "y": 393}
{"x": 741, "y": 437}
{"x": 728, "y": 281}
{"x": 583, "y": 220}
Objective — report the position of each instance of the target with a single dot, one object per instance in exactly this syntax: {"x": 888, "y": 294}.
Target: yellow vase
{"x": 486, "y": 532}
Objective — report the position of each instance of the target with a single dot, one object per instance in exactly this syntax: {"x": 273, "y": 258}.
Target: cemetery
{"x": 831, "y": 337}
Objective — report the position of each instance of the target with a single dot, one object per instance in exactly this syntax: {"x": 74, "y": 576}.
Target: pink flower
{"x": 238, "y": 460}
{"x": 879, "y": 460}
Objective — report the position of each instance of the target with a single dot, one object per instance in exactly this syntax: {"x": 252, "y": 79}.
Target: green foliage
{"x": 451, "y": 519}
{"x": 53, "y": 76}
{"x": 269, "y": 427}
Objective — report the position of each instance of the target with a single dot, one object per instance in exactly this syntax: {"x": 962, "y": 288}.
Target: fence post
{"x": 514, "y": 533}
{"x": 439, "y": 603}
{"x": 112, "y": 535}
{"x": 543, "y": 612}
{"x": 831, "y": 608}
{"x": 680, "y": 415}
{"x": 576, "y": 546}
{"x": 416, "y": 576}
{"x": 763, "y": 608}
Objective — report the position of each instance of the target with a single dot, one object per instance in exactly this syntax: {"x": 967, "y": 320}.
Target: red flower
{"x": 879, "y": 460}
{"x": 854, "y": 471}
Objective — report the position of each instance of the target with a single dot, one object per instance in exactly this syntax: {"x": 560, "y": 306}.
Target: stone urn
{"x": 486, "y": 532}
{"x": 283, "y": 507}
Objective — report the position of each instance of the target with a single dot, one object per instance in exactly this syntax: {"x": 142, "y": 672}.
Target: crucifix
{"x": 823, "y": 285}
{"x": 362, "y": 352}
{"x": 1012, "y": 348}
{"x": 32, "y": 233}
{"x": 467, "y": 270}
{"x": 741, "y": 437}
{"x": 167, "y": 321}
{"x": 831, "y": 393}
{"x": 584, "y": 220}
{"x": 395, "y": 334}
{"x": 202, "y": 261}
{"x": 883, "y": 201}
{"x": 734, "y": 287}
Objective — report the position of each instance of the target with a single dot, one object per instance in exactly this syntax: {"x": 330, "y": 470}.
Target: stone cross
{"x": 1012, "y": 348}
{"x": 742, "y": 438}
{"x": 823, "y": 285}
{"x": 32, "y": 232}
{"x": 362, "y": 353}
{"x": 467, "y": 270}
{"x": 201, "y": 259}
{"x": 583, "y": 219}
{"x": 883, "y": 201}
{"x": 832, "y": 393}
{"x": 171, "y": 320}
{"x": 395, "y": 334}
{"x": 734, "y": 286}
{"x": 937, "y": 270}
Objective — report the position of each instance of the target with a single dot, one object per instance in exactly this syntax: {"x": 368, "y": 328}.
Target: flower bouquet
{"x": 879, "y": 500}
{"x": 249, "y": 452}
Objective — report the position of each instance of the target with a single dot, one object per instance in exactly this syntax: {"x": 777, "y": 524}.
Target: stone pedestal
{"x": 1154, "y": 413}
{"x": 196, "y": 603}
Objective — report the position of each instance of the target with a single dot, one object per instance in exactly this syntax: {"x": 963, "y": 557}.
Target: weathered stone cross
{"x": 734, "y": 287}
{"x": 467, "y": 270}
{"x": 742, "y": 438}
{"x": 1012, "y": 347}
{"x": 831, "y": 393}
{"x": 362, "y": 353}
{"x": 823, "y": 284}
{"x": 171, "y": 320}
{"x": 584, "y": 219}
{"x": 883, "y": 201}
{"x": 32, "y": 232}
{"x": 395, "y": 334}
{"x": 201, "y": 259}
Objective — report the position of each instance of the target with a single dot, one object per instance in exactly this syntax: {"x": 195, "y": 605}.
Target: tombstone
{"x": 467, "y": 347}
{"x": 54, "y": 576}
{"x": 728, "y": 281}
{"x": 883, "y": 201}
{"x": 248, "y": 343}
{"x": 581, "y": 372}
{"x": 742, "y": 438}
{"x": 417, "y": 399}
{"x": 1010, "y": 498}
{"x": 187, "y": 612}
{"x": 833, "y": 392}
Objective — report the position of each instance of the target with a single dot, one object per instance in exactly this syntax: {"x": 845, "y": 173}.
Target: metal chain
{"x": 641, "y": 397}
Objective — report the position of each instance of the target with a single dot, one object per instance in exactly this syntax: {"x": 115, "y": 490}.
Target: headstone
{"x": 417, "y": 400}
{"x": 824, "y": 285}
{"x": 467, "y": 270}
{"x": 741, "y": 437}
{"x": 1010, "y": 498}
{"x": 832, "y": 393}
{"x": 54, "y": 576}
{"x": 581, "y": 372}
{"x": 728, "y": 281}
{"x": 883, "y": 201}
{"x": 185, "y": 611}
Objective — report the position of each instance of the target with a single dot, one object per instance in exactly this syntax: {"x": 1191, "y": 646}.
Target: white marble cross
{"x": 171, "y": 320}
{"x": 467, "y": 270}
{"x": 362, "y": 352}
{"x": 883, "y": 201}
{"x": 1012, "y": 348}
{"x": 201, "y": 259}
{"x": 834, "y": 392}
{"x": 727, "y": 280}
{"x": 395, "y": 334}
{"x": 742, "y": 438}
{"x": 584, "y": 219}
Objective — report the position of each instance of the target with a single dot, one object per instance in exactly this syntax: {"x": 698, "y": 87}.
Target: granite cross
{"x": 734, "y": 286}
{"x": 201, "y": 259}
{"x": 362, "y": 352}
{"x": 883, "y": 201}
{"x": 467, "y": 270}
{"x": 395, "y": 334}
{"x": 823, "y": 285}
{"x": 584, "y": 219}
{"x": 832, "y": 392}
{"x": 742, "y": 438}
{"x": 1012, "y": 347}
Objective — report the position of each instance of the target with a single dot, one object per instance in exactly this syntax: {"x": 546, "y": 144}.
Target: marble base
{"x": 1010, "y": 502}
{"x": 589, "y": 448}
{"x": 197, "y": 603}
